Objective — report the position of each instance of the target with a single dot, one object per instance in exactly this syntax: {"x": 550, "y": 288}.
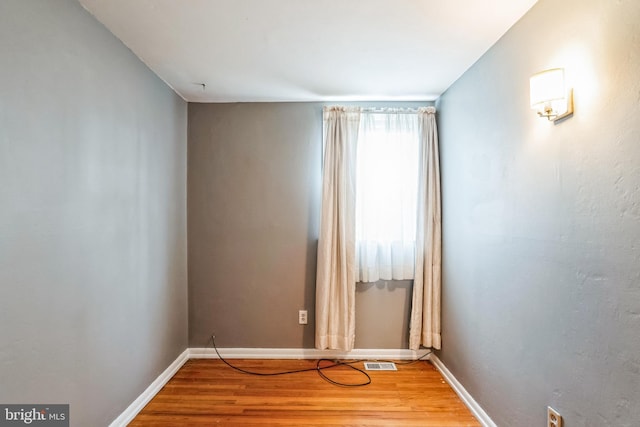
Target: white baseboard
{"x": 468, "y": 400}
{"x": 303, "y": 353}
{"x": 129, "y": 414}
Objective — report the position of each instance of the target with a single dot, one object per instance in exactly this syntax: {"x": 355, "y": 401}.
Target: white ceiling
{"x": 308, "y": 50}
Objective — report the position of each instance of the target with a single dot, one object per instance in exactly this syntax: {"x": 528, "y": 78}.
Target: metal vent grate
{"x": 380, "y": 366}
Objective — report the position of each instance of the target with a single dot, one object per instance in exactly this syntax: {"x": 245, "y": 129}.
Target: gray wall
{"x": 93, "y": 292}
{"x": 254, "y": 205}
{"x": 541, "y": 228}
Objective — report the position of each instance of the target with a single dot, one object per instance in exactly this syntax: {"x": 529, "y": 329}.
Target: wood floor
{"x": 205, "y": 392}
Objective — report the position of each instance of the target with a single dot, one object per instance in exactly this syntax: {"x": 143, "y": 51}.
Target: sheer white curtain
{"x": 336, "y": 274}
{"x": 425, "y": 310}
{"x": 386, "y": 193}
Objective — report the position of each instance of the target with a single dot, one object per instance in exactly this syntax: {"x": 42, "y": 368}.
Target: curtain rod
{"x": 387, "y": 110}
{"x": 398, "y": 110}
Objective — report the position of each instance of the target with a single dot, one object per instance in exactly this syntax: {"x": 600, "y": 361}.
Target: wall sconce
{"x": 549, "y": 96}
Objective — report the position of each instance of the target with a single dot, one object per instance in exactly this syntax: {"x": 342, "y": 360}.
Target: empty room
{"x": 320, "y": 213}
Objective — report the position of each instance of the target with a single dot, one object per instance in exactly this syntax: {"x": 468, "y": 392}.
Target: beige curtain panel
{"x": 336, "y": 274}
{"x": 425, "y": 310}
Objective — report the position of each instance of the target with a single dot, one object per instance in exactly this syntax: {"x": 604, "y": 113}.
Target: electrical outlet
{"x": 554, "y": 419}
{"x": 302, "y": 317}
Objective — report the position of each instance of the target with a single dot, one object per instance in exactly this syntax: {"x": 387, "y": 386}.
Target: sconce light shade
{"x": 549, "y": 96}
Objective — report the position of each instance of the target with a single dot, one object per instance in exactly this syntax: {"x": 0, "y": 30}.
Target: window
{"x": 386, "y": 195}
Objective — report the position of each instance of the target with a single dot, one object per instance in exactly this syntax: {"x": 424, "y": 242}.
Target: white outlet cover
{"x": 302, "y": 317}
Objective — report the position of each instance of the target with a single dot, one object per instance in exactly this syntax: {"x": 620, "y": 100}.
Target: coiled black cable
{"x": 319, "y": 368}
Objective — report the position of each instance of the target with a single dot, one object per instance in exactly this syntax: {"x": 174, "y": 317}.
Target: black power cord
{"x": 419, "y": 359}
{"x": 319, "y": 368}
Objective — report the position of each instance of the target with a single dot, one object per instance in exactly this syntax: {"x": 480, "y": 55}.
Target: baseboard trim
{"x": 468, "y": 400}
{"x": 130, "y": 413}
{"x": 303, "y": 353}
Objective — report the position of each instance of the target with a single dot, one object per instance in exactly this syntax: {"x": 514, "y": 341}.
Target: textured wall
{"x": 93, "y": 285}
{"x": 254, "y": 213}
{"x": 541, "y": 297}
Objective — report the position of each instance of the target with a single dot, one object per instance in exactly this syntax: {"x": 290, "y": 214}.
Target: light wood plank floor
{"x": 207, "y": 392}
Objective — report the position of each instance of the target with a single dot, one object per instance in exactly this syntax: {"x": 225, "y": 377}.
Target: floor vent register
{"x": 380, "y": 366}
